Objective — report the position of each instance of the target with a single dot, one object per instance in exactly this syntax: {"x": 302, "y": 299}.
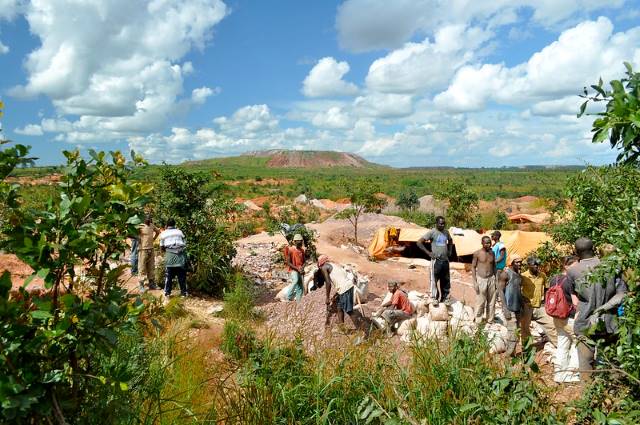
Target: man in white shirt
{"x": 172, "y": 242}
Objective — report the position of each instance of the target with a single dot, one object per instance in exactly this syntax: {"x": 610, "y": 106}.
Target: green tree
{"x": 462, "y": 210}
{"x": 201, "y": 211}
{"x": 365, "y": 197}
{"x": 620, "y": 122}
{"x": 408, "y": 200}
{"x": 51, "y": 345}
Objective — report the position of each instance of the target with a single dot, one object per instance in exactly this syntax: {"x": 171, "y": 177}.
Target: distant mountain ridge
{"x": 282, "y": 158}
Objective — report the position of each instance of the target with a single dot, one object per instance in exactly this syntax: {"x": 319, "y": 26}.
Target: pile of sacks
{"x": 360, "y": 282}
{"x": 437, "y": 320}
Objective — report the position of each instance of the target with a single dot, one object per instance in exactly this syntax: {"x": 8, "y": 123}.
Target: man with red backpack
{"x": 560, "y": 305}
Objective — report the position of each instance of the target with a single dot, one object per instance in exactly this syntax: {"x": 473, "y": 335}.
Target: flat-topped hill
{"x": 281, "y": 158}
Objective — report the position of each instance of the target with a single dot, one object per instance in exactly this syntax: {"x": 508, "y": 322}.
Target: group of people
{"x": 569, "y": 306}
{"x": 172, "y": 244}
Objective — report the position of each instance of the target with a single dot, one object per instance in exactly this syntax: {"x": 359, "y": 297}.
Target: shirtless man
{"x": 483, "y": 271}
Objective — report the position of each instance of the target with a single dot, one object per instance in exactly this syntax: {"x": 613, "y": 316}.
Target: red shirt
{"x": 296, "y": 256}
{"x": 401, "y": 301}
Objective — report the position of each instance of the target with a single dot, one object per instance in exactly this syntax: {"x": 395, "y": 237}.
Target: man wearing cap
{"x": 500, "y": 252}
{"x": 294, "y": 258}
{"x": 533, "y": 288}
{"x": 147, "y": 234}
{"x": 510, "y": 276}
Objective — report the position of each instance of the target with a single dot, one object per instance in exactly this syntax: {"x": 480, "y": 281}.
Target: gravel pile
{"x": 262, "y": 263}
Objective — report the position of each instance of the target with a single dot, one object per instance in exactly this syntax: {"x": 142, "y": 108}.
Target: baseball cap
{"x": 515, "y": 257}
{"x": 298, "y": 237}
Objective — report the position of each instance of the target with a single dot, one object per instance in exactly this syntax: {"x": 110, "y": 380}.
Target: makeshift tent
{"x": 521, "y": 242}
{"x": 382, "y": 240}
{"x": 466, "y": 241}
{"x": 530, "y": 218}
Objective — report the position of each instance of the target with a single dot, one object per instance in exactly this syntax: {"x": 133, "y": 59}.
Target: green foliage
{"x": 239, "y": 300}
{"x": 238, "y": 339}
{"x": 500, "y": 220}
{"x": 364, "y": 197}
{"x": 620, "y": 122}
{"x": 366, "y": 384}
{"x": 201, "y": 212}
{"x": 424, "y": 219}
{"x": 605, "y": 207}
{"x": 462, "y": 210}
{"x": 51, "y": 344}
{"x": 290, "y": 220}
{"x": 408, "y": 200}
{"x": 551, "y": 257}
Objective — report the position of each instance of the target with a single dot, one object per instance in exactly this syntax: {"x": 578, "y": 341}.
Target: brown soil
{"x": 31, "y": 181}
{"x": 311, "y": 159}
{"x": 263, "y": 182}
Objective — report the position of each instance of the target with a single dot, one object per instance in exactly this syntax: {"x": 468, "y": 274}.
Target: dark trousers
{"x": 170, "y": 273}
{"x": 441, "y": 276}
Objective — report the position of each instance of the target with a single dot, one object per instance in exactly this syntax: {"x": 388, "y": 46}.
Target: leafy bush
{"x": 201, "y": 212}
{"x": 408, "y": 200}
{"x": 51, "y": 343}
{"x": 462, "y": 210}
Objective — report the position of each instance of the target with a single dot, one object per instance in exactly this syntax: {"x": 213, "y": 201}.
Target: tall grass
{"x": 430, "y": 382}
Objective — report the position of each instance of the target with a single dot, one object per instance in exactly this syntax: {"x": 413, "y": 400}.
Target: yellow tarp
{"x": 516, "y": 241}
{"x": 521, "y": 242}
{"x": 381, "y": 240}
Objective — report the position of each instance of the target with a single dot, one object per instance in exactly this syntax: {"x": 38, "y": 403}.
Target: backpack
{"x": 513, "y": 293}
{"x": 556, "y": 303}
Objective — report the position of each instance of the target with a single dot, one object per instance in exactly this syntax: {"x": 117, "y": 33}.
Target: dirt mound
{"x": 341, "y": 231}
{"x": 310, "y": 159}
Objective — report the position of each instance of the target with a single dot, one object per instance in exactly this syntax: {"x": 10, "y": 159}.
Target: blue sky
{"x": 405, "y": 83}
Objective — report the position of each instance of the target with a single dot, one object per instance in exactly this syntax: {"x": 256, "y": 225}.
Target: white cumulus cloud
{"x": 326, "y": 79}
{"x": 30, "y": 130}
{"x": 199, "y": 96}
{"x": 576, "y": 59}
{"x": 116, "y": 64}
{"x": 381, "y": 24}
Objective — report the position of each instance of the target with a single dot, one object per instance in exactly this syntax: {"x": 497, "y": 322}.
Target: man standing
{"x": 500, "y": 253}
{"x": 397, "y": 309}
{"x": 597, "y": 303}
{"x": 146, "y": 258}
{"x": 499, "y": 250}
{"x": 533, "y": 288}
{"x": 511, "y": 276}
{"x": 294, "y": 258}
{"x": 483, "y": 271}
{"x": 441, "y": 248}
{"x": 173, "y": 243}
